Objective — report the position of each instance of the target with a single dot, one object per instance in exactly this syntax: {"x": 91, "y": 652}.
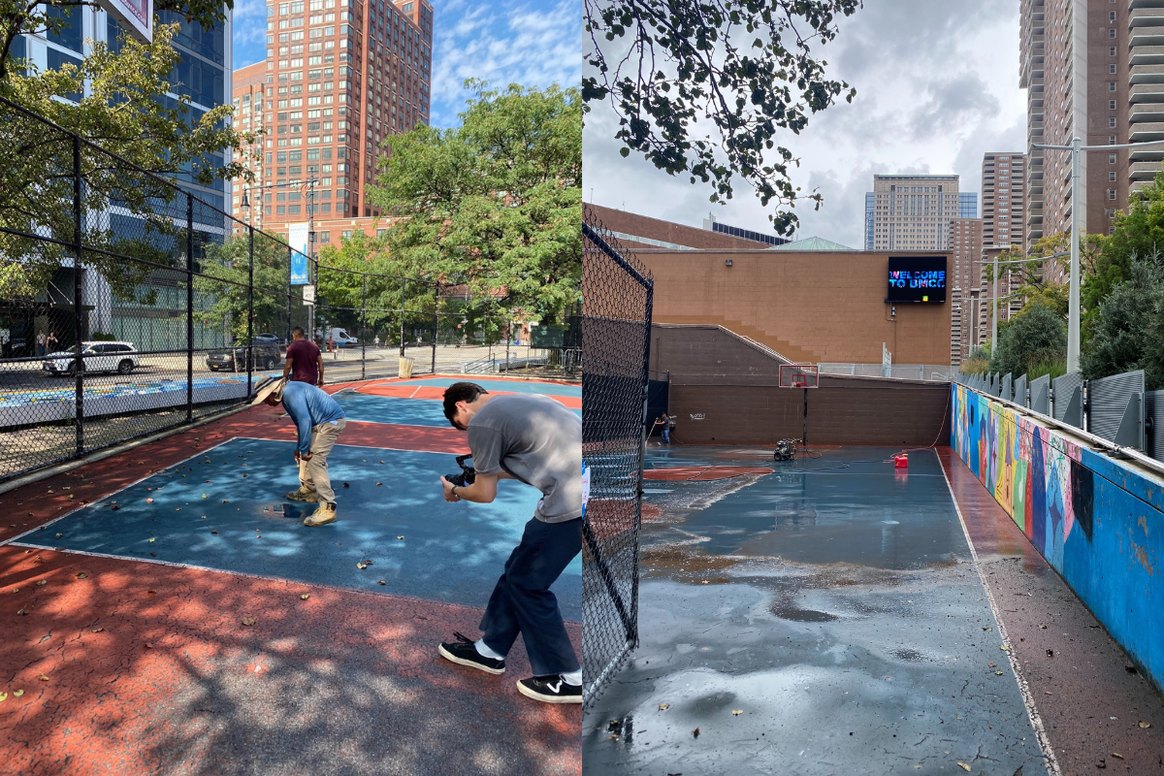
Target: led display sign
{"x": 917, "y": 279}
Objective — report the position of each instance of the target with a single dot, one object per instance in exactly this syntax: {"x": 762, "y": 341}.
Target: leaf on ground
{"x": 148, "y": 645}
{"x": 1004, "y": 647}
{"x": 3, "y": 697}
{"x": 18, "y": 693}
{"x": 214, "y": 532}
{"x": 378, "y": 484}
{"x": 346, "y": 485}
{"x": 226, "y": 501}
{"x": 964, "y": 766}
{"x": 22, "y": 612}
{"x": 248, "y": 621}
{"x": 664, "y": 706}
{"x": 399, "y": 537}
{"x": 1145, "y": 725}
{"x": 80, "y": 575}
{"x": 361, "y": 565}
{"x": 43, "y": 678}
{"x": 993, "y": 665}
{"x": 381, "y": 582}
{"x": 1117, "y": 755}
{"x": 737, "y": 712}
{"x": 42, "y": 582}
{"x": 205, "y": 496}
{"x": 305, "y": 596}
{"x": 149, "y": 501}
{"x": 98, "y": 630}
{"x": 151, "y": 592}
{"x": 59, "y": 535}
{"x": 695, "y": 733}
{"x": 152, "y": 539}
{"x": 244, "y": 476}
{"x": 998, "y": 673}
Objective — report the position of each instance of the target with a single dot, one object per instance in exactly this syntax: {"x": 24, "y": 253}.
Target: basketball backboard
{"x": 799, "y": 376}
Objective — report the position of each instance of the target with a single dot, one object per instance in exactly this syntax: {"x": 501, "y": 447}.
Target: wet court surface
{"x": 823, "y": 618}
{"x": 165, "y": 610}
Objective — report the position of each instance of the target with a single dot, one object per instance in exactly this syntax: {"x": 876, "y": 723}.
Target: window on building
{"x": 1112, "y": 51}
{"x": 1111, "y": 158}
{"x": 1111, "y": 69}
{"x": 1111, "y": 105}
{"x": 1111, "y": 194}
{"x": 1111, "y": 86}
{"x": 1111, "y": 16}
{"x": 1111, "y": 33}
{"x": 1111, "y": 122}
{"x": 1111, "y": 176}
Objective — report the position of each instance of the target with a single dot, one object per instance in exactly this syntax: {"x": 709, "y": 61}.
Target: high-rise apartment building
{"x": 911, "y": 212}
{"x": 249, "y": 86}
{"x": 340, "y": 77}
{"x": 870, "y": 209}
{"x": 964, "y": 277}
{"x": 1004, "y": 199}
{"x": 1092, "y": 70}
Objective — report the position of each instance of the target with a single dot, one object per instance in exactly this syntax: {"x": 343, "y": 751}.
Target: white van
{"x": 341, "y": 338}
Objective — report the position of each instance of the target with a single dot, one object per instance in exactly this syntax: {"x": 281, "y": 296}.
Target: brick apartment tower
{"x": 1092, "y": 68}
{"x": 911, "y": 212}
{"x": 339, "y": 77}
{"x": 247, "y": 96}
{"x": 1003, "y": 209}
{"x": 965, "y": 282}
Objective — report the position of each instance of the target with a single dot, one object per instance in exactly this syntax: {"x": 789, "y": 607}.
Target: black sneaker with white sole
{"x": 550, "y": 689}
{"x": 463, "y": 652}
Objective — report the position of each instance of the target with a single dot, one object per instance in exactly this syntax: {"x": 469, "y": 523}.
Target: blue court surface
{"x": 387, "y": 409}
{"x": 511, "y": 386}
{"x": 224, "y": 509}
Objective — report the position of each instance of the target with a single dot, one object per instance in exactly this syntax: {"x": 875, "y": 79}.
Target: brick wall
{"x": 734, "y": 387}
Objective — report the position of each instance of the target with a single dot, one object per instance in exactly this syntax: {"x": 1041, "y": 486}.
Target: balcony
{"x": 1143, "y": 171}
{"x": 1150, "y": 16}
{"x": 1146, "y": 93}
{"x": 1034, "y": 131}
{"x": 1148, "y": 112}
{"x": 1146, "y": 36}
{"x": 1137, "y": 4}
{"x": 1147, "y": 74}
{"x": 1150, "y": 154}
{"x": 1142, "y": 132}
{"x": 1146, "y": 55}
{"x": 1137, "y": 186}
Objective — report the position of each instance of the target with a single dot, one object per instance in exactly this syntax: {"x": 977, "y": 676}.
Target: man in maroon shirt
{"x": 304, "y": 362}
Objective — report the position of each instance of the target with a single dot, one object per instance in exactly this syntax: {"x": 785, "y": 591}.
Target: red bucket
{"x": 900, "y": 461}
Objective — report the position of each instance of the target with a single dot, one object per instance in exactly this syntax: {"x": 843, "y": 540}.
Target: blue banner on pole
{"x": 299, "y": 269}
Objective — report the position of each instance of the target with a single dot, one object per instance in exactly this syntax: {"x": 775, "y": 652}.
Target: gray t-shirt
{"x": 536, "y": 440}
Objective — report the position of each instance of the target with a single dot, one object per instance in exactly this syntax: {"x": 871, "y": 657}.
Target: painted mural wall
{"x": 1099, "y": 523}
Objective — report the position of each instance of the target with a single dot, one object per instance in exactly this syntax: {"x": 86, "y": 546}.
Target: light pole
{"x": 1077, "y": 148}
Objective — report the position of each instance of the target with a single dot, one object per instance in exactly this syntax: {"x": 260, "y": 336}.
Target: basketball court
{"x": 178, "y": 573}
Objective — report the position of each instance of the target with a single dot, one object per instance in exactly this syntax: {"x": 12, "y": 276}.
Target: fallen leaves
{"x": 149, "y": 501}
{"x": 381, "y": 582}
{"x": 249, "y": 621}
{"x": 80, "y": 575}
{"x": 42, "y": 582}
{"x": 97, "y": 630}
{"x": 963, "y": 766}
{"x": 664, "y": 706}
{"x": 3, "y": 697}
{"x": 737, "y": 712}
{"x": 152, "y": 540}
{"x": 22, "y": 612}
{"x": 305, "y": 596}
{"x": 401, "y": 537}
{"x": 1117, "y": 755}
{"x": 1145, "y": 725}
{"x": 695, "y": 733}
{"x": 18, "y": 693}
{"x": 43, "y": 678}
{"x": 1004, "y": 647}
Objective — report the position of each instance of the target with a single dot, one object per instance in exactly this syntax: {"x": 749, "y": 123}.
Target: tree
{"x": 127, "y": 113}
{"x": 227, "y": 301}
{"x": 1138, "y": 231}
{"x": 745, "y": 65}
{"x": 1128, "y": 328}
{"x": 1037, "y": 335}
{"x": 494, "y": 204}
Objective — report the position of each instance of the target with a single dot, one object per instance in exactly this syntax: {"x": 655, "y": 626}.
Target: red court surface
{"x": 1089, "y": 702}
{"x": 127, "y": 667}
{"x": 435, "y": 393}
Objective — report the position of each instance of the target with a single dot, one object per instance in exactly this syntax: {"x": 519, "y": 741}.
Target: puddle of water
{"x": 786, "y": 610}
{"x": 280, "y": 510}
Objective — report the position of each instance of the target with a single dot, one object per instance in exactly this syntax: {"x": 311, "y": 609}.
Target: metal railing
{"x": 934, "y": 372}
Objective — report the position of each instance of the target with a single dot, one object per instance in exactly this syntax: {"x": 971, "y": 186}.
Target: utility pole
{"x": 1077, "y": 150}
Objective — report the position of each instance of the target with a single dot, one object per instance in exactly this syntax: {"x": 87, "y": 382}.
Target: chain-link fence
{"x": 129, "y": 305}
{"x": 616, "y": 324}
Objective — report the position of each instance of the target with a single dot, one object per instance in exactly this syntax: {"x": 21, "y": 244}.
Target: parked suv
{"x": 120, "y": 357}
{"x": 266, "y": 356}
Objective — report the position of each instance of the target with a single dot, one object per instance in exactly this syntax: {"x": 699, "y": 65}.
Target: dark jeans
{"x": 522, "y": 601}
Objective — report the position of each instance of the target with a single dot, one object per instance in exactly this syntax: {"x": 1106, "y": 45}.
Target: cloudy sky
{"x": 530, "y": 43}
{"x": 937, "y": 87}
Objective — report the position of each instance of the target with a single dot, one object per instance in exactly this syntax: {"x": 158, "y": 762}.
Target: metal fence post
{"x": 250, "y": 344}
{"x": 78, "y": 241}
{"x": 436, "y": 327}
{"x": 189, "y": 308}
{"x": 364, "y": 331}
{"x": 290, "y": 251}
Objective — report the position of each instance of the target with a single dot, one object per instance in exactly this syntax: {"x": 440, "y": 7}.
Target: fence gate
{"x": 616, "y": 327}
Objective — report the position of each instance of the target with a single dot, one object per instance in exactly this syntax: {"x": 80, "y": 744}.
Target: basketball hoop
{"x": 800, "y": 376}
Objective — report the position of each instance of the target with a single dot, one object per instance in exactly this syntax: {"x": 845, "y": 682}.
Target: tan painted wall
{"x": 809, "y": 307}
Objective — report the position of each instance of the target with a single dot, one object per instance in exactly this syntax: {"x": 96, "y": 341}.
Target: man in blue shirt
{"x": 319, "y": 421}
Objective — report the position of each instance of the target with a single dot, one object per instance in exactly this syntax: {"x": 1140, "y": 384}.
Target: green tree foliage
{"x": 1139, "y": 231}
{"x": 744, "y": 65}
{"x": 227, "y": 301}
{"x": 1036, "y": 335}
{"x": 495, "y": 204}
{"x": 127, "y": 114}
{"x": 1128, "y": 328}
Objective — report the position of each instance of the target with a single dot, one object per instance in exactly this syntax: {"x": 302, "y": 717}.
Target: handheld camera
{"x": 464, "y": 477}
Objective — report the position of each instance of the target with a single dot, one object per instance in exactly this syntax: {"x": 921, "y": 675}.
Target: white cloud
{"x": 937, "y": 87}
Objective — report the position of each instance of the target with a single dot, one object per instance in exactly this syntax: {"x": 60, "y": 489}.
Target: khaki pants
{"x": 313, "y": 474}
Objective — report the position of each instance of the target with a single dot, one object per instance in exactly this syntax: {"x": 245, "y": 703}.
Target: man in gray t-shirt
{"x": 538, "y": 441}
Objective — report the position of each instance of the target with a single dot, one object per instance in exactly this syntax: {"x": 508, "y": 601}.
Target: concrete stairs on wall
{"x": 783, "y": 349}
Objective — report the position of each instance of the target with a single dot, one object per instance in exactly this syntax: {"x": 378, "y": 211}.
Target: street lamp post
{"x": 1077, "y": 149}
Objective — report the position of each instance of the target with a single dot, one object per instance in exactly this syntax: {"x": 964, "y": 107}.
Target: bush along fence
{"x": 129, "y": 305}
{"x": 1094, "y": 510}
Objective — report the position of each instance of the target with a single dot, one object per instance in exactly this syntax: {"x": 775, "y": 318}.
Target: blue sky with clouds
{"x": 528, "y": 43}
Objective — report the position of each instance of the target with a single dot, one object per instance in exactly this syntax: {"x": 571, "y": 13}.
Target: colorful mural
{"x": 1098, "y": 522}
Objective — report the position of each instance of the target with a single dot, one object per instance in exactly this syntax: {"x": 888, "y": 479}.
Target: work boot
{"x": 303, "y": 494}
{"x": 322, "y": 516}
